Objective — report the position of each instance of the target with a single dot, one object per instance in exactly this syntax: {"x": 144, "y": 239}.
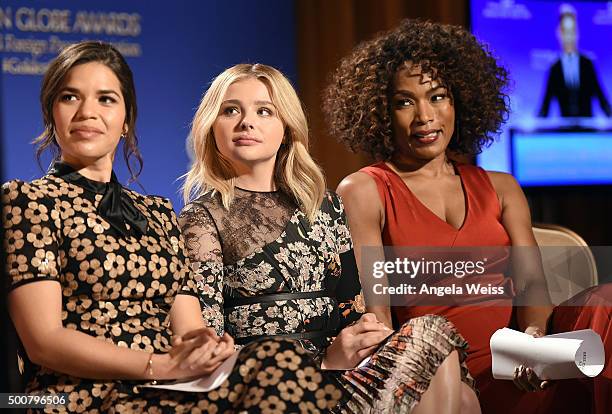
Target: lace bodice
{"x": 254, "y": 220}
{"x": 264, "y": 246}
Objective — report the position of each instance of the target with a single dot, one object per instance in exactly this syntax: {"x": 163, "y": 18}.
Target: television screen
{"x": 559, "y": 131}
{"x": 561, "y": 158}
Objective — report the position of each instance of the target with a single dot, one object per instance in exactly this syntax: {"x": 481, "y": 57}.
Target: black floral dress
{"x": 264, "y": 271}
{"x": 118, "y": 284}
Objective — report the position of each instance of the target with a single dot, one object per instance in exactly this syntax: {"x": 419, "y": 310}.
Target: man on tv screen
{"x": 572, "y": 79}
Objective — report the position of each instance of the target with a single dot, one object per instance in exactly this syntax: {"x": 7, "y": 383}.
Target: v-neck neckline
{"x": 422, "y": 205}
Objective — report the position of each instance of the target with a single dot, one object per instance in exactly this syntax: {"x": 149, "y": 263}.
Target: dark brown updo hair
{"x": 78, "y": 54}
{"x": 357, "y": 99}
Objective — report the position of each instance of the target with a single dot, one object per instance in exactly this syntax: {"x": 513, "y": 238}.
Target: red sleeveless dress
{"x": 408, "y": 222}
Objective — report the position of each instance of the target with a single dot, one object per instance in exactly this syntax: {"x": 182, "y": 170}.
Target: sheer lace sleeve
{"x": 203, "y": 246}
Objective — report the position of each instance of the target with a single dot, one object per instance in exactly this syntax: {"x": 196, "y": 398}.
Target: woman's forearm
{"x": 383, "y": 314}
{"x": 535, "y": 308}
{"x": 78, "y": 354}
{"x": 36, "y": 309}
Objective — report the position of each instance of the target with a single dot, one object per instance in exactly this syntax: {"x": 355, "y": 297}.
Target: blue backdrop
{"x": 173, "y": 48}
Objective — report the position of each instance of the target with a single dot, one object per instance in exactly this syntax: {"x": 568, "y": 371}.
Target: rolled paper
{"x": 575, "y": 354}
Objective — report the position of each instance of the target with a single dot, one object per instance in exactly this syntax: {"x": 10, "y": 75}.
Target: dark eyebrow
{"x": 100, "y": 92}
{"x": 404, "y": 92}
{"x": 68, "y": 89}
{"x": 108, "y": 92}
{"x": 434, "y": 89}
{"x": 411, "y": 95}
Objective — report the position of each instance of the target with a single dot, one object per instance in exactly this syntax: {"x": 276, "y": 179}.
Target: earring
{"x": 53, "y": 133}
{"x": 123, "y": 135}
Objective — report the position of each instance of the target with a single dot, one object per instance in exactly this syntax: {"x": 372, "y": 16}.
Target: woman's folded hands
{"x": 196, "y": 353}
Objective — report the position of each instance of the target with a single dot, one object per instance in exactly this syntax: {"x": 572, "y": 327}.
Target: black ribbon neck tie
{"x": 116, "y": 207}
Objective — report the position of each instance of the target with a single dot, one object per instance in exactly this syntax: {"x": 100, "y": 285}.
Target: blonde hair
{"x": 295, "y": 171}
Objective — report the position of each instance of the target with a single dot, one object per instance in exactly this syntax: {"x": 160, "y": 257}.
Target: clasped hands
{"x": 525, "y": 378}
{"x": 198, "y": 352}
{"x": 355, "y": 342}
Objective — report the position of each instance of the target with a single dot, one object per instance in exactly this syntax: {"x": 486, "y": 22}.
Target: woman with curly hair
{"x": 413, "y": 98}
{"x": 274, "y": 256}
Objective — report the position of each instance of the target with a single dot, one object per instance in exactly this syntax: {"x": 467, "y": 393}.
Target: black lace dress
{"x": 120, "y": 288}
{"x": 263, "y": 270}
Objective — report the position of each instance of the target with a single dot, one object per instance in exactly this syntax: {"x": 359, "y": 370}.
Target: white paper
{"x": 363, "y": 362}
{"x": 205, "y": 383}
{"x": 567, "y": 355}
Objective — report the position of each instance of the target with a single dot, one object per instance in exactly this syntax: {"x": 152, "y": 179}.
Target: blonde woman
{"x": 273, "y": 256}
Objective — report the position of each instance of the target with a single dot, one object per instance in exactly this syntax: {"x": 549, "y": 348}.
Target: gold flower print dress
{"x": 264, "y": 271}
{"x": 119, "y": 259}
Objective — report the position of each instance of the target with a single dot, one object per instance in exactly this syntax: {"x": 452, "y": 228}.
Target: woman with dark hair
{"x": 101, "y": 293}
{"x": 52, "y": 82}
{"x": 414, "y": 98}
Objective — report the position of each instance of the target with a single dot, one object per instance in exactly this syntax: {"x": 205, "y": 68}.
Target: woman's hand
{"x": 525, "y": 378}
{"x": 198, "y": 352}
{"x": 355, "y": 342}
{"x": 534, "y": 331}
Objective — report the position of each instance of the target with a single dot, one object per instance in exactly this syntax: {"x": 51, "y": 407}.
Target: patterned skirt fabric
{"x": 400, "y": 371}
{"x": 270, "y": 376}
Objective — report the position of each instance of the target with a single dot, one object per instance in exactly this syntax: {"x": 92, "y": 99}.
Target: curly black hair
{"x": 356, "y": 102}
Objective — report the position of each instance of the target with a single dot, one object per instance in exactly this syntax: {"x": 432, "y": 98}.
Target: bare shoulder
{"x": 503, "y": 183}
{"x": 357, "y": 187}
{"x": 359, "y": 193}
{"x": 512, "y": 199}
